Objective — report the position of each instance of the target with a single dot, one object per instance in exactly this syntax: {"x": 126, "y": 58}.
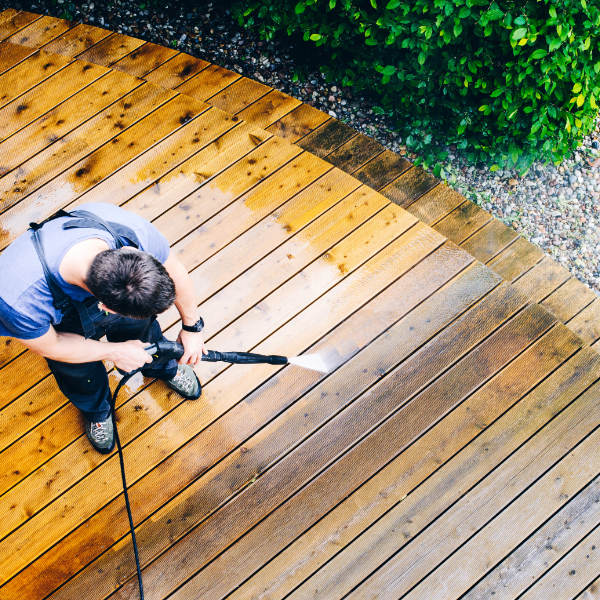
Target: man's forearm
{"x": 74, "y": 348}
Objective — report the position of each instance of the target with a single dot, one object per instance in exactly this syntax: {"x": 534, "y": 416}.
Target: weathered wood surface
{"x": 426, "y": 462}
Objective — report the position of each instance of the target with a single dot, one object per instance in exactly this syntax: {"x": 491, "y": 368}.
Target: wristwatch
{"x": 196, "y": 327}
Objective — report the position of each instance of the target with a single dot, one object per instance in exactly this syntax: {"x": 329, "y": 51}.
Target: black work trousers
{"x": 86, "y": 384}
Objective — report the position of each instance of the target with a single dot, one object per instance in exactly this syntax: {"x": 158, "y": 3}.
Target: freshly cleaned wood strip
{"x": 16, "y": 23}
{"x": 433, "y": 205}
{"x": 542, "y": 279}
{"x": 40, "y": 32}
{"x": 207, "y": 82}
{"x": 517, "y": 258}
{"x": 587, "y": 323}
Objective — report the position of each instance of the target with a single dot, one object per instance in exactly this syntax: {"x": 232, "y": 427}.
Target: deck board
{"x": 451, "y": 393}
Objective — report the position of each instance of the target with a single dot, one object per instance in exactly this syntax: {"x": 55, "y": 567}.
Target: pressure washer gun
{"x": 167, "y": 350}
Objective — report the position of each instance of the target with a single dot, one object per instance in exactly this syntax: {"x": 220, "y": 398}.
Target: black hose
{"x": 125, "y": 493}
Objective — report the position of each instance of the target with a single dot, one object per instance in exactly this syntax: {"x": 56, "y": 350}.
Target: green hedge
{"x": 508, "y": 82}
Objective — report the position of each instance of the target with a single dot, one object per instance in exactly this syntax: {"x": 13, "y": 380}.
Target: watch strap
{"x": 196, "y": 327}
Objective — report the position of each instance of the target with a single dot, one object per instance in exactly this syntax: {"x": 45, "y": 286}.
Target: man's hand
{"x": 129, "y": 355}
{"x": 193, "y": 345}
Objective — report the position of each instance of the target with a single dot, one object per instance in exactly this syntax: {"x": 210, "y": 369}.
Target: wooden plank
{"x": 111, "y": 49}
{"x": 578, "y": 570}
{"x": 517, "y": 258}
{"x": 432, "y": 206}
{"x": 382, "y": 169}
{"x": 414, "y": 244}
{"x": 28, "y": 74}
{"x": 11, "y": 54}
{"x": 587, "y": 323}
{"x": 268, "y": 109}
{"x": 518, "y": 520}
{"x": 45, "y": 96}
{"x": 187, "y": 143}
{"x": 237, "y": 96}
{"x": 207, "y": 82}
{"x": 201, "y": 168}
{"x": 462, "y": 222}
{"x": 286, "y": 476}
{"x": 327, "y": 138}
{"x": 591, "y": 592}
{"x": 77, "y": 40}
{"x": 144, "y": 59}
{"x": 221, "y": 214}
{"x": 542, "y": 279}
{"x": 396, "y": 487}
{"x": 176, "y": 70}
{"x": 355, "y": 153}
{"x": 15, "y": 24}
{"x": 9, "y": 350}
{"x": 345, "y": 340}
{"x": 490, "y": 240}
{"x": 569, "y": 299}
{"x": 409, "y": 187}
{"x": 7, "y": 13}
{"x": 63, "y": 119}
{"x": 544, "y": 549}
{"x": 40, "y": 32}
{"x": 41, "y": 171}
{"x": 298, "y": 123}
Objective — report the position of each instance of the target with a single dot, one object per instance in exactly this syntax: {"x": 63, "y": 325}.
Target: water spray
{"x": 165, "y": 349}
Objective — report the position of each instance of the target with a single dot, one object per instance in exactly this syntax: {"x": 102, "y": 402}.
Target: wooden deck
{"x": 451, "y": 452}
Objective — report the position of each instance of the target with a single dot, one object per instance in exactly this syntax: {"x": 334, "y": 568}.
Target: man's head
{"x": 130, "y": 282}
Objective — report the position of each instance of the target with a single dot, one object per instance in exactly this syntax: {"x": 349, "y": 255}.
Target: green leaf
{"x": 315, "y": 37}
{"x": 552, "y": 12}
{"x": 539, "y": 53}
{"x": 518, "y": 34}
{"x": 300, "y": 8}
{"x": 577, "y": 88}
{"x": 392, "y": 4}
{"x": 496, "y": 93}
{"x": 374, "y": 4}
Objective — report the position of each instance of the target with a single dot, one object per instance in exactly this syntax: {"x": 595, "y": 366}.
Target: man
{"x": 98, "y": 270}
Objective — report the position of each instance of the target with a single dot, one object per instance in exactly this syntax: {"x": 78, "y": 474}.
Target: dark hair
{"x": 130, "y": 282}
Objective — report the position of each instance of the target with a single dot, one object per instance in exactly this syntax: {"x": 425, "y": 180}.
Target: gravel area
{"x": 556, "y": 208}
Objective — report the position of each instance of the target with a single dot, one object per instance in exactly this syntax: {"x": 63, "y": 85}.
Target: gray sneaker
{"x": 186, "y": 382}
{"x": 101, "y": 435}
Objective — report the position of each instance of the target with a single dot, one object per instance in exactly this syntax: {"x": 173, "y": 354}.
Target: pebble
{"x": 555, "y": 207}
